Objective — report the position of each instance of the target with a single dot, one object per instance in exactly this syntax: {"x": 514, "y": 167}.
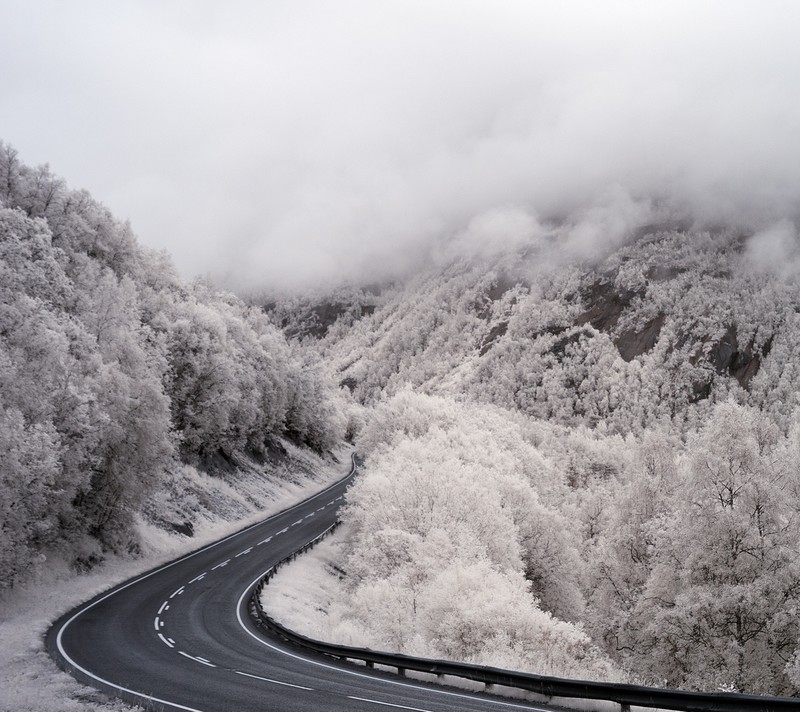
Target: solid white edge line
{"x": 386, "y": 704}
{"x": 266, "y": 643}
{"x": 276, "y": 682}
{"x": 83, "y": 610}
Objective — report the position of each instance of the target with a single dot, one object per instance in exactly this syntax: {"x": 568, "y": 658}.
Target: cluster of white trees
{"x": 697, "y": 568}
{"x": 457, "y": 545}
{"x": 478, "y": 534}
{"x": 112, "y": 370}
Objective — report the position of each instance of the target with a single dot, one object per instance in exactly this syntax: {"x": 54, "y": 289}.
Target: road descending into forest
{"x": 180, "y": 638}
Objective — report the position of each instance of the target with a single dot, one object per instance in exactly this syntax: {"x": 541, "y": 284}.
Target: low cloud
{"x": 289, "y": 144}
{"x": 775, "y": 249}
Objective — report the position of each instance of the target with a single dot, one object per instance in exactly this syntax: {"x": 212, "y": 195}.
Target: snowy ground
{"x": 30, "y": 680}
{"x": 303, "y": 595}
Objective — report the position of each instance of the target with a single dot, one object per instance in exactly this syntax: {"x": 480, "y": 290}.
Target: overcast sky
{"x": 294, "y": 143}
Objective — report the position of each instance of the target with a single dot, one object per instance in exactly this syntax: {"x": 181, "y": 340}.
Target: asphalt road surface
{"x": 179, "y": 637}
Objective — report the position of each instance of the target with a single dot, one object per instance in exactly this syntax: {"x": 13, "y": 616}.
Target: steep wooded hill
{"x": 661, "y": 328}
{"x": 114, "y": 373}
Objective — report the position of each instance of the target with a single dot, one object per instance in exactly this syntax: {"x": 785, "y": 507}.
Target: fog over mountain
{"x": 537, "y": 264}
{"x": 297, "y": 143}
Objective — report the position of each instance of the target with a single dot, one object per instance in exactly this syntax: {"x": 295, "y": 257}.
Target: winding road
{"x": 179, "y": 637}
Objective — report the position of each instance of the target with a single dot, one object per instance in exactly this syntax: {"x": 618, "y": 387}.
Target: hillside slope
{"x": 658, "y": 330}
{"x": 628, "y": 422}
{"x": 115, "y": 375}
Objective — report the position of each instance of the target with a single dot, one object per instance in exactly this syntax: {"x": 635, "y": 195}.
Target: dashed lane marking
{"x": 198, "y": 578}
{"x": 219, "y": 566}
{"x": 242, "y": 553}
{"x": 265, "y": 541}
{"x": 164, "y": 607}
{"x": 177, "y": 593}
{"x": 166, "y": 642}
{"x": 156, "y": 623}
{"x": 387, "y": 704}
{"x": 275, "y": 682}
{"x": 198, "y": 660}
{"x": 283, "y": 531}
{"x": 299, "y": 521}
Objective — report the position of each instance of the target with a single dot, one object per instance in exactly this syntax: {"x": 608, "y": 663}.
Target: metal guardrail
{"x": 623, "y": 694}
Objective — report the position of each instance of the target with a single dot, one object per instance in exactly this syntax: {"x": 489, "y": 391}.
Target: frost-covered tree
{"x": 719, "y": 605}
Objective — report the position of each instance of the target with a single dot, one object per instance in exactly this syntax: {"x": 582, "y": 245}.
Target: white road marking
{"x": 197, "y": 660}
{"x": 275, "y": 682}
{"x": 299, "y": 521}
{"x": 219, "y": 566}
{"x": 386, "y": 704}
{"x": 177, "y": 593}
{"x": 164, "y": 607}
{"x": 171, "y": 640}
{"x": 166, "y": 642}
{"x": 309, "y": 515}
{"x": 265, "y": 541}
{"x": 89, "y": 606}
{"x": 321, "y": 509}
{"x": 283, "y": 531}
{"x": 198, "y": 578}
{"x": 242, "y": 553}
{"x": 330, "y": 503}
{"x": 155, "y": 623}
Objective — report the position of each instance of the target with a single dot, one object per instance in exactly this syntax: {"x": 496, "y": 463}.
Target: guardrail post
{"x": 369, "y": 663}
{"x": 624, "y": 707}
{"x": 401, "y": 671}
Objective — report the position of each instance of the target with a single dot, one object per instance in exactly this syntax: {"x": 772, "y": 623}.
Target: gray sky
{"x": 295, "y": 143}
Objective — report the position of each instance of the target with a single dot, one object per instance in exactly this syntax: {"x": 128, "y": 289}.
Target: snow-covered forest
{"x": 117, "y": 378}
{"x": 533, "y": 267}
{"x": 576, "y": 466}
{"x": 579, "y": 464}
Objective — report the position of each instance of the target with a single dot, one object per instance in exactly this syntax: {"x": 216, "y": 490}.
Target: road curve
{"x": 179, "y": 638}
